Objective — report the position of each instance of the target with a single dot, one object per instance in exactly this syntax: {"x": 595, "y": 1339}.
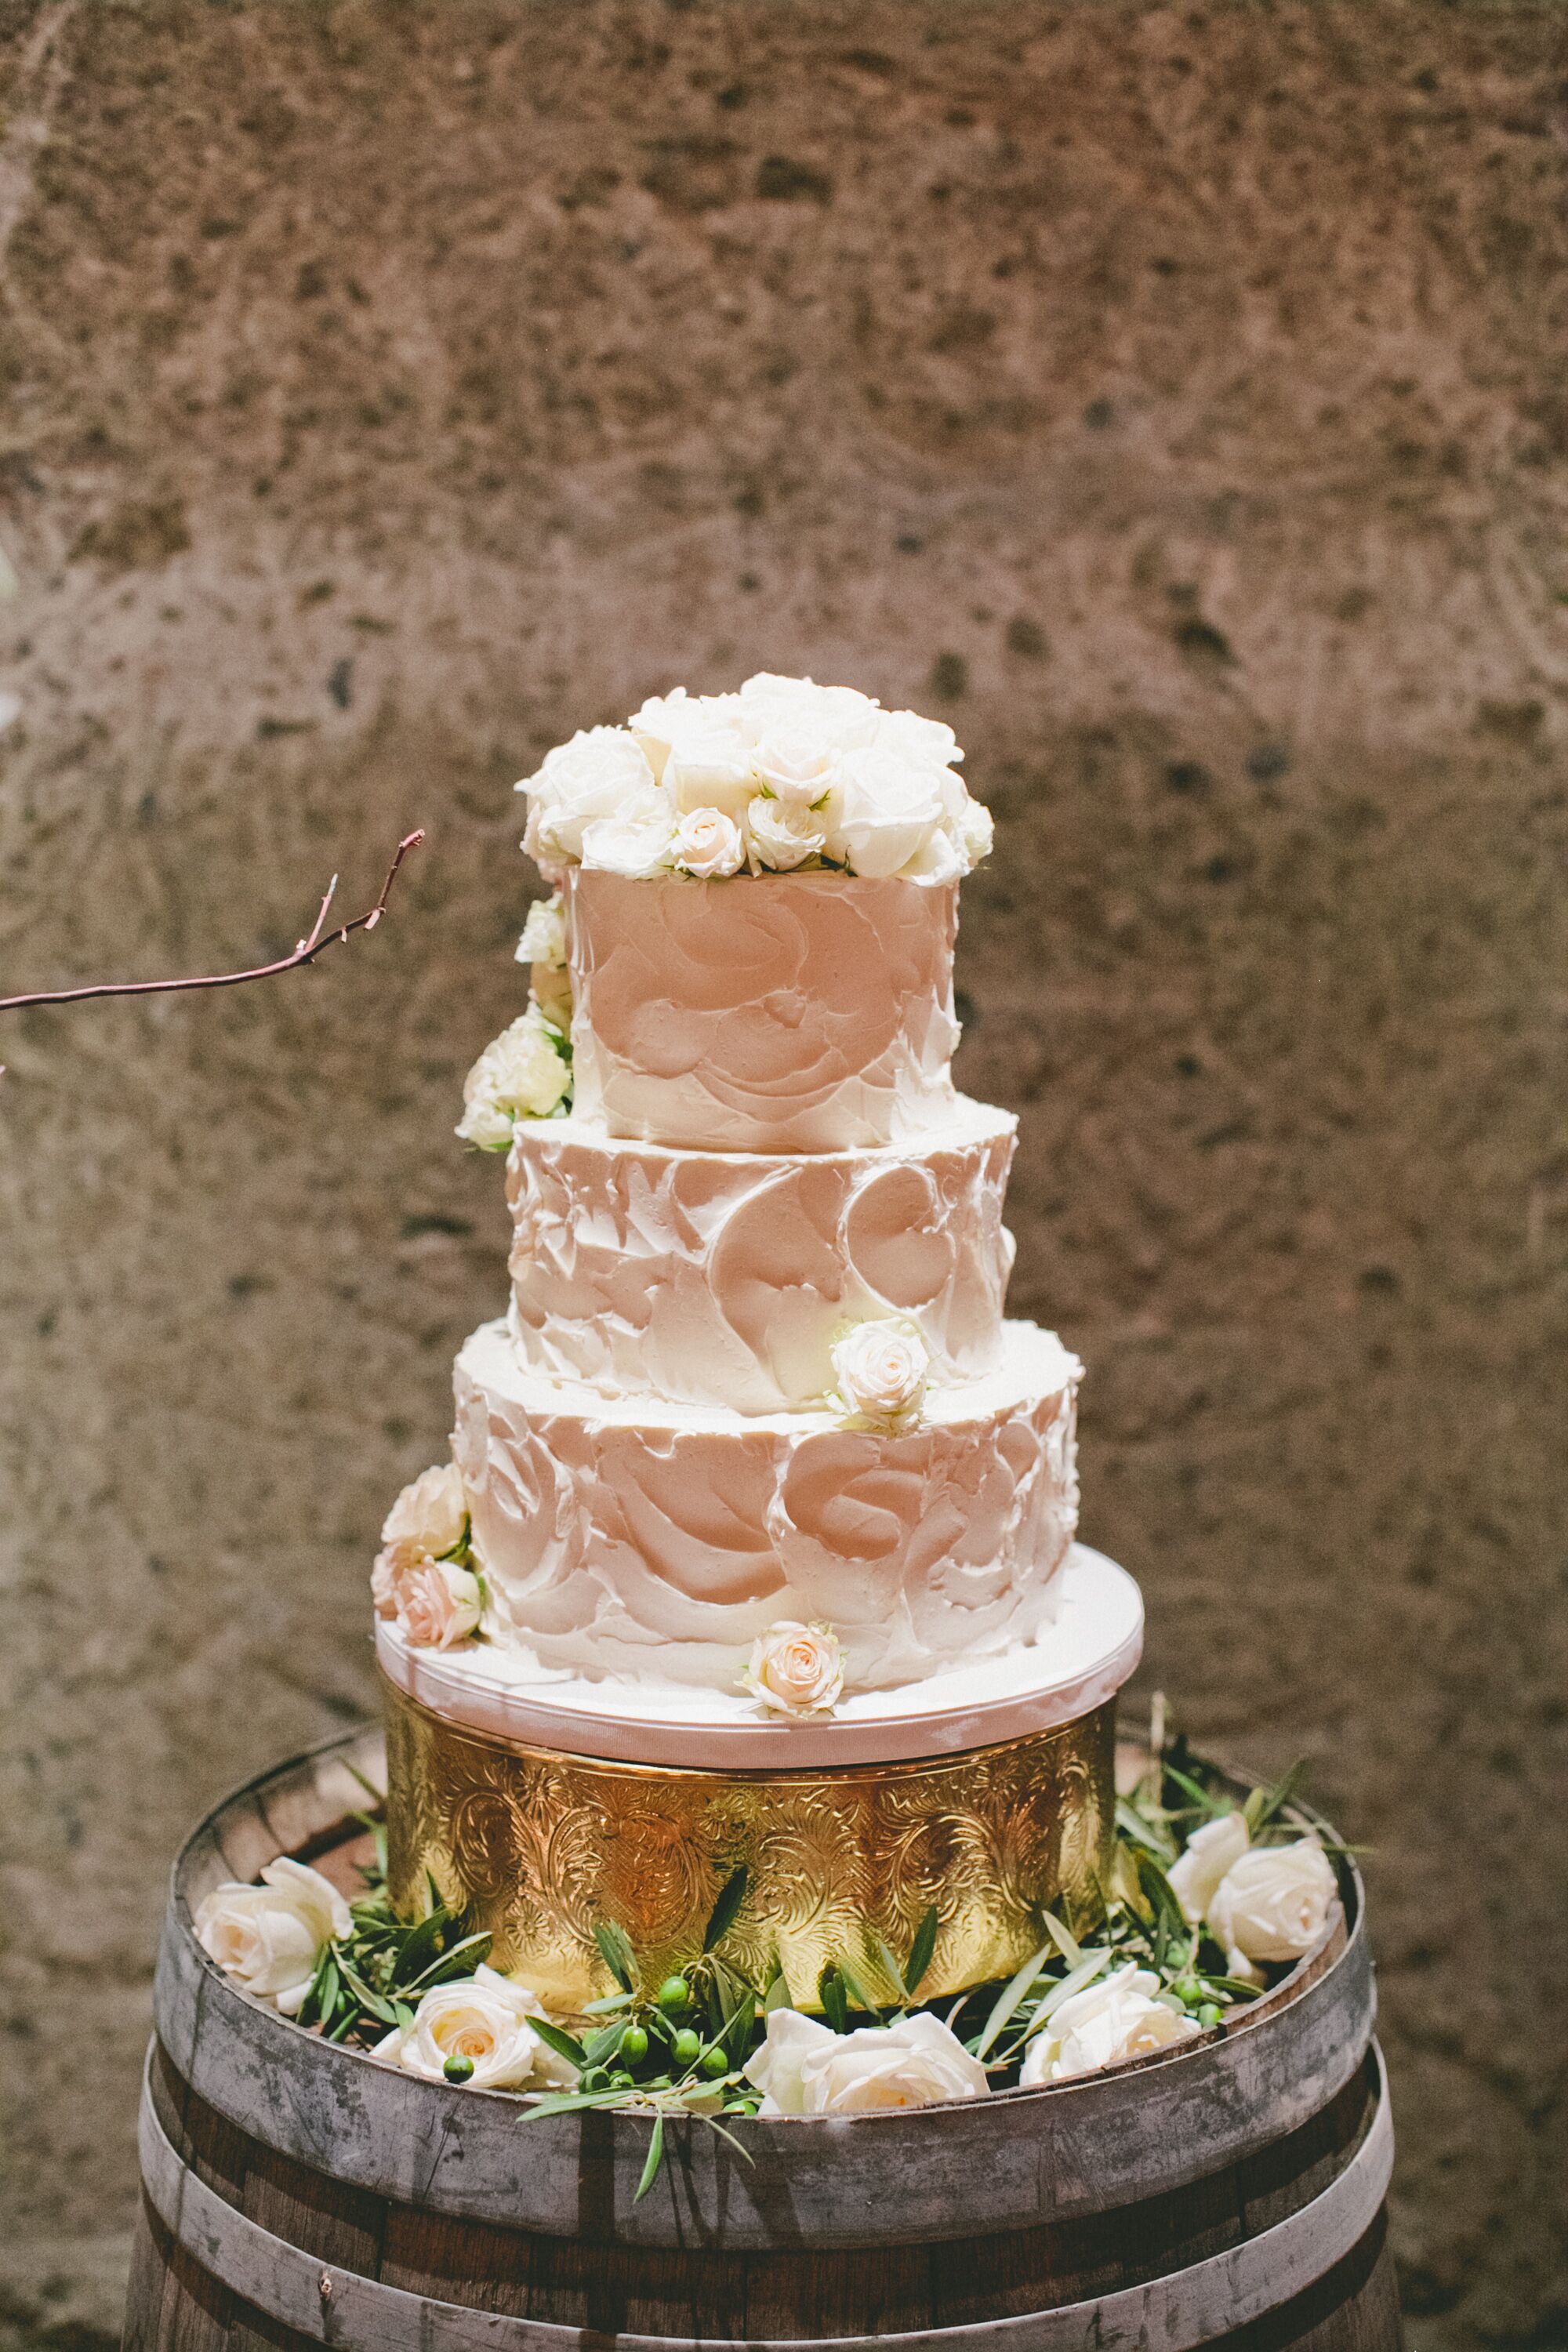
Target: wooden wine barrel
{"x": 1229, "y": 2191}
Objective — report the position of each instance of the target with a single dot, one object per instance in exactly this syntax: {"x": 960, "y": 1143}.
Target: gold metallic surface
{"x": 541, "y": 1845}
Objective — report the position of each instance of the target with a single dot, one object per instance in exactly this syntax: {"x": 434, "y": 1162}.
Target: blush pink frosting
{"x": 724, "y": 1277}
{"x": 638, "y": 1537}
{"x": 779, "y": 1012}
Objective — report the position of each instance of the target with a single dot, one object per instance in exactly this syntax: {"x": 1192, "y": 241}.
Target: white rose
{"x": 780, "y": 835}
{"x": 837, "y": 717}
{"x": 922, "y": 743}
{"x": 881, "y": 1369}
{"x": 1195, "y": 1877}
{"x": 883, "y": 810}
{"x": 1273, "y": 1904}
{"x": 438, "y": 1604}
{"x": 707, "y": 843}
{"x": 658, "y": 722}
{"x": 519, "y": 1075}
{"x": 710, "y": 767}
{"x": 431, "y": 1515}
{"x": 484, "y": 2017}
{"x": 806, "y": 2069}
{"x": 543, "y": 937}
{"x": 975, "y": 831}
{"x": 1103, "y": 2026}
{"x": 796, "y": 768}
{"x": 937, "y": 859}
{"x": 636, "y": 846}
{"x": 549, "y": 989}
{"x": 602, "y": 772}
{"x": 270, "y": 1938}
{"x": 795, "y": 1669}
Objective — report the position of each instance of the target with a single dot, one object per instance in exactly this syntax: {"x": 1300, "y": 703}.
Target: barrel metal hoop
{"x": 1188, "y": 2308}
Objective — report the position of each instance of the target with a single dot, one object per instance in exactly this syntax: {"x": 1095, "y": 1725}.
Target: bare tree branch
{"x": 315, "y": 943}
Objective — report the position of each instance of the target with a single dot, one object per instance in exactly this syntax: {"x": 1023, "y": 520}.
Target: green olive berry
{"x": 1188, "y": 1992}
{"x": 688, "y": 2042}
{"x": 714, "y": 2063}
{"x": 620, "y": 2080}
{"x": 634, "y": 2044}
{"x": 1209, "y": 2015}
{"x": 674, "y": 1996}
{"x": 458, "y": 2069}
{"x": 595, "y": 2078}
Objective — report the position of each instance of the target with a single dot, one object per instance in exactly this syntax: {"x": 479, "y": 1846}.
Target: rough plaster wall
{"x": 1174, "y": 401}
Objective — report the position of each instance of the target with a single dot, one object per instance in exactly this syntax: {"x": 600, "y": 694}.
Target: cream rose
{"x": 485, "y": 2018}
{"x": 795, "y": 1669}
{"x": 431, "y": 1515}
{"x": 780, "y": 835}
{"x": 543, "y": 937}
{"x": 880, "y": 1370}
{"x": 519, "y": 1075}
{"x": 708, "y": 843}
{"x": 921, "y": 742}
{"x": 805, "y": 2069}
{"x": 1209, "y": 1853}
{"x": 1103, "y": 2026}
{"x": 635, "y": 846}
{"x": 796, "y": 768}
{"x": 602, "y": 772}
{"x": 710, "y": 767}
{"x": 438, "y": 1604}
{"x": 837, "y": 717}
{"x": 270, "y": 1938}
{"x": 1273, "y": 1903}
{"x": 883, "y": 810}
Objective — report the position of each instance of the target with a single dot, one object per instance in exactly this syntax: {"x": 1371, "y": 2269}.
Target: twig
{"x": 316, "y": 943}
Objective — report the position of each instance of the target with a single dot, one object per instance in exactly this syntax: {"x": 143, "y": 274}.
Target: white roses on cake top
{"x": 782, "y": 773}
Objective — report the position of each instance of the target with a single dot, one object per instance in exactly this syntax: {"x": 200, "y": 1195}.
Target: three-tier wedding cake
{"x": 757, "y": 1543}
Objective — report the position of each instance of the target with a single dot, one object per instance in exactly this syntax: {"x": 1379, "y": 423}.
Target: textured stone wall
{"x": 1173, "y": 399}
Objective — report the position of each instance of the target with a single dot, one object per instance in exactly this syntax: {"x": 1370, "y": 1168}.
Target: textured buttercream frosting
{"x": 776, "y": 1012}
{"x": 649, "y": 1538}
{"x": 725, "y": 1277}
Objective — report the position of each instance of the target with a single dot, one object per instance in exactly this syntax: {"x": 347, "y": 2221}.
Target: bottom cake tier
{"x": 542, "y": 1840}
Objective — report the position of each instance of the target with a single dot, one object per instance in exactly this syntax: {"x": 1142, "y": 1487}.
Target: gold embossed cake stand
{"x": 539, "y": 1839}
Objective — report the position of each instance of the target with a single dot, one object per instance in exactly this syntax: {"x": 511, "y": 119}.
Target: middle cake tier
{"x": 724, "y": 1277}
{"x": 635, "y": 1535}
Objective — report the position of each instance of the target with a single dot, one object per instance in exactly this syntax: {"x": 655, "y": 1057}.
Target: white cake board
{"x": 1080, "y": 1661}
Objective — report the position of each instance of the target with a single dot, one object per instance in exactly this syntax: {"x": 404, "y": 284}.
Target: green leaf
{"x": 890, "y": 1966}
{"x": 557, "y": 2038}
{"x": 857, "y": 1992}
{"x": 1265, "y": 1805}
{"x": 830, "y": 1993}
{"x": 1139, "y": 1833}
{"x": 721, "y": 1918}
{"x": 601, "y": 2046}
{"x": 1231, "y": 1988}
{"x": 616, "y": 1953}
{"x": 384, "y": 2010}
{"x": 565, "y": 2103}
{"x": 777, "y": 1995}
{"x": 922, "y": 1950}
{"x": 1066, "y": 1944}
{"x": 612, "y": 2000}
{"x": 655, "y": 2156}
{"x": 460, "y": 1961}
{"x": 1007, "y": 1999}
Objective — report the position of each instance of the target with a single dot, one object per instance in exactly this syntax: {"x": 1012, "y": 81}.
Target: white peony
{"x": 1273, "y": 1903}
{"x": 519, "y": 1075}
{"x": 1195, "y": 1876}
{"x": 883, "y": 810}
{"x": 1103, "y": 2026}
{"x": 602, "y": 772}
{"x": 485, "y": 2018}
{"x": 270, "y": 1938}
{"x": 543, "y": 937}
{"x": 797, "y": 767}
{"x": 780, "y": 835}
{"x": 708, "y": 843}
{"x": 438, "y": 1604}
{"x": 806, "y": 2069}
{"x": 881, "y": 1369}
{"x": 795, "y": 1669}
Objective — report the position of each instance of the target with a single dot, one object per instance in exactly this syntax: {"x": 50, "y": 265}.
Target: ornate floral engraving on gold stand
{"x": 542, "y": 1845}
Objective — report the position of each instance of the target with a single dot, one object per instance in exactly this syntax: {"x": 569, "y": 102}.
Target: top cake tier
{"x": 786, "y": 1012}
